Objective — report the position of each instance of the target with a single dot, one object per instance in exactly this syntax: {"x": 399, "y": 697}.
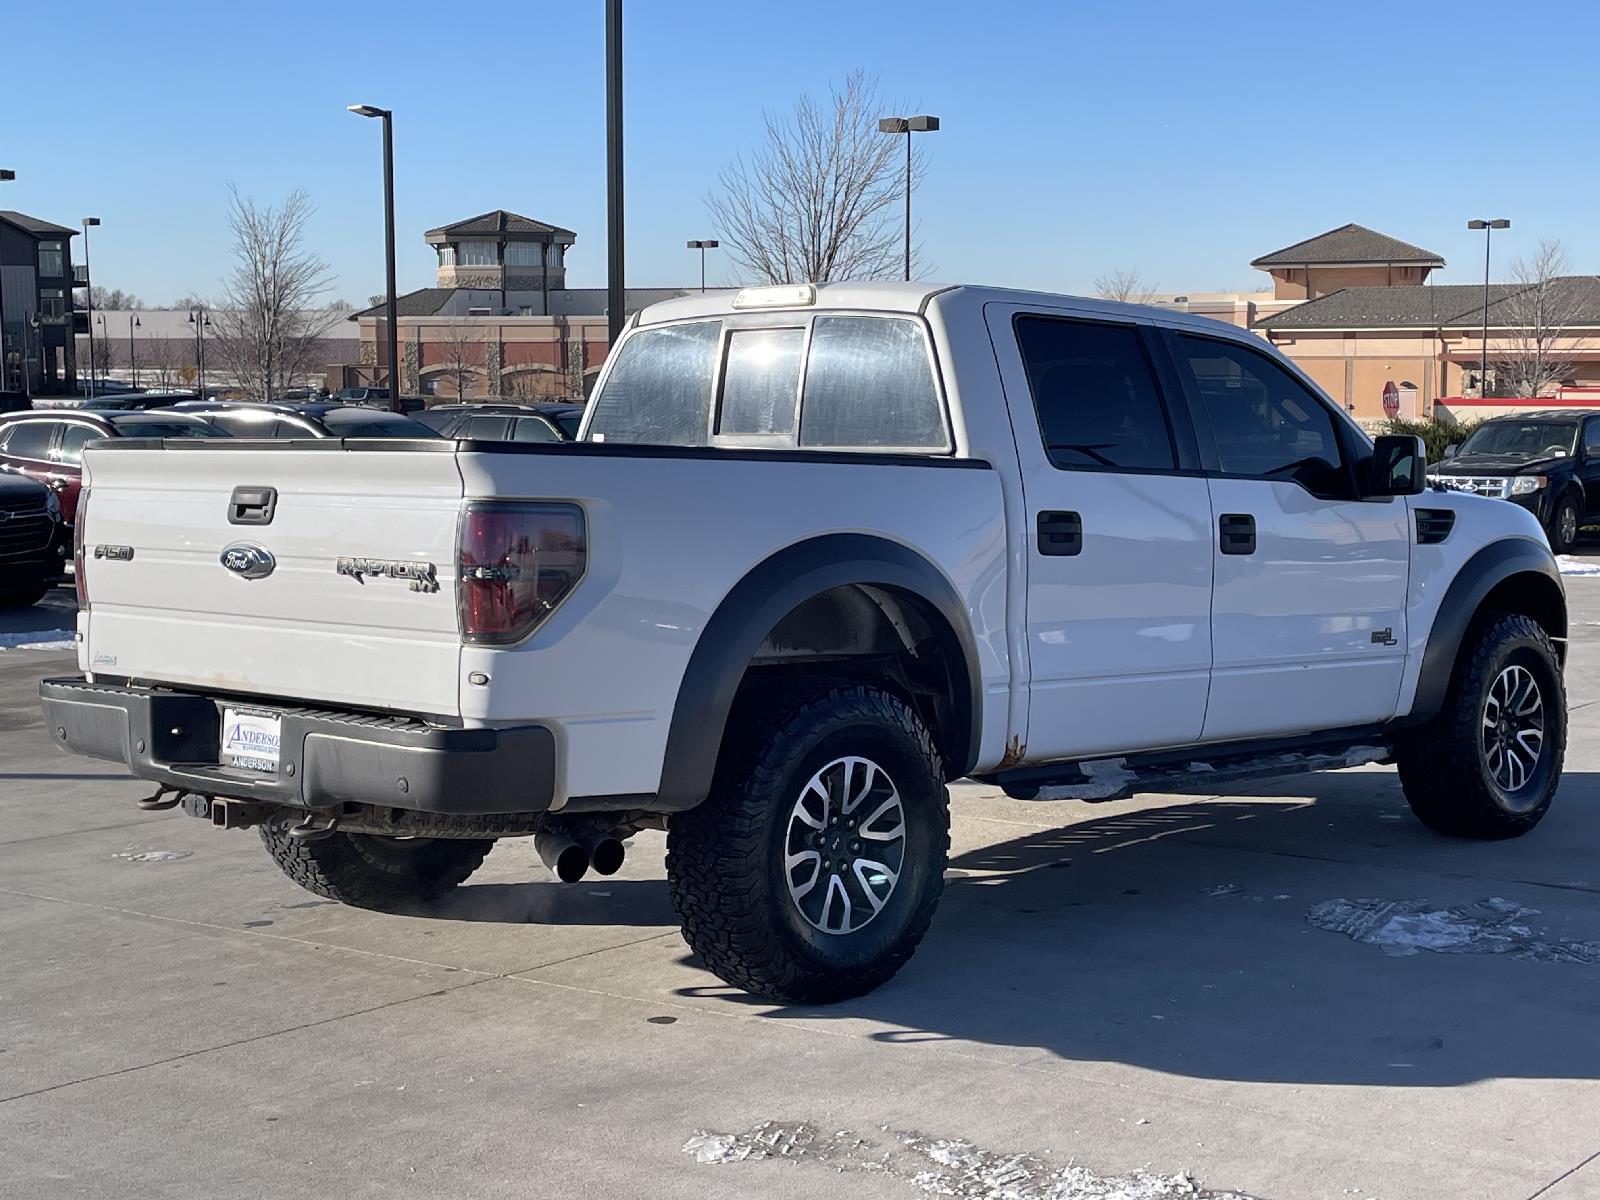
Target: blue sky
{"x": 1177, "y": 138}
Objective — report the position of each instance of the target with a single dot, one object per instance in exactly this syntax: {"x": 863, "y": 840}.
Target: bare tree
{"x": 1125, "y": 284}
{"x": 461, "y": 352}
{"x": 819, "y": 200}
{"x": 159, "y": 357}
{"x": 268, "y": 323}
{"x": 114, "y": 299}
{"x": 105, "y": 355}
{"x": 1543, "y": 303}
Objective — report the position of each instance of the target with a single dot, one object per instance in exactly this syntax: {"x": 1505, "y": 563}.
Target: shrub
{"x": 1436, "y": 432}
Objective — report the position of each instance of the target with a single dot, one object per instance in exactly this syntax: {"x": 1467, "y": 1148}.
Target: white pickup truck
{"x": 818, "y": 551}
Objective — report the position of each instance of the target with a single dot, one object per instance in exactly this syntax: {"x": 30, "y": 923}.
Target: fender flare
{"x": 1478, "y": 576}
{"x": 752, "y": 609}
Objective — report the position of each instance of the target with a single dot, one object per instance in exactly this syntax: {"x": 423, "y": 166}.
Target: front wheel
{"x": 1488, "y": 765}
{"x": 1563, "y": 530}
{"x": 813, "y": 869}
{"x": 369, "y": 870}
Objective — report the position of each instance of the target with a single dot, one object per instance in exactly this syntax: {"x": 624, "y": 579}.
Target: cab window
{"x": 1265, "y": 423}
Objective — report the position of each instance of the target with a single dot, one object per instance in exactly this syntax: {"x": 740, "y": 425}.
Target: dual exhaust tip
{"x": 570, "y": 853}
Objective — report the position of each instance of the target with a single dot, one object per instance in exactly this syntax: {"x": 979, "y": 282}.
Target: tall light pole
{"x": 88, "y": 223}
{"x": 616, "y": 297}
{"x": 703, "y": 246}
{"x": 201, "y": 324}
{"x": 391, "y": 310}
{"x": 1488, "y": 228}
{"x": 6, "y": 176}
{"x": 908, "y": 126}
{"x": 133, "y": 346}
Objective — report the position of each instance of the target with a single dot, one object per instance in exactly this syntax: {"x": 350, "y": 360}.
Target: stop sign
{"x": 1391, "y": 400}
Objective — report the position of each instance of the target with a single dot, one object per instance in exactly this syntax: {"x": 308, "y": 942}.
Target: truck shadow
{"x": 1177, "y": 938}
{"x": 593, "y": 901}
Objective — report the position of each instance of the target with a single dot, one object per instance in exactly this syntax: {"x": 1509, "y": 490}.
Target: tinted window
{"x": 869, "y": 383}
{"x": 168, "y": 429}
{"x": 760, "y": 377}
{"x": 439, "y": 422}
{"x": 568, "y": 423}
{"x": 73, "y": 438}
{"x": 534, "y": 429}
{"x": 1591, "y": 437}
{"x": 485, "y": 429}
{"x": 1266, "y": 424}
{"x": 1095, "y": 395}
{"x": 30, "y": 439}
{"x": 658, "y": 391}
{"x": 372, "y": 423}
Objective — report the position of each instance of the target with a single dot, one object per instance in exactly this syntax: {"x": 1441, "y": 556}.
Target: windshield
{"x": 1522, "y": 439}
{"x": 145, "y": 427}
{"x": 369, "y": 423}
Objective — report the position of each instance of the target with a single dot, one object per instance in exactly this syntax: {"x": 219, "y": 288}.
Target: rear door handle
{"x": 1060, "y": 534}
{"x": 1237, "y": 533}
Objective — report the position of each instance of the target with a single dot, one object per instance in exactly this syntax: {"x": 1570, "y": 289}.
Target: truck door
{"x": 1119, "y": 550}
{"x": 1589, "y": 467}
{"x": 1308, "y": 615}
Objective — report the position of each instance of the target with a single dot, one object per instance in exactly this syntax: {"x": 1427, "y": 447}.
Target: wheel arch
{"x": 896, "y": 580}
{"x": 1512, "y": 575}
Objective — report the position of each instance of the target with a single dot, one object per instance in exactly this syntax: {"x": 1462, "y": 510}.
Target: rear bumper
{"x": 325, "y": 758}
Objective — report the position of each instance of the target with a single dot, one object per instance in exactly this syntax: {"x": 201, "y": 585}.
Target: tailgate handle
{"x": 252, "y": 505}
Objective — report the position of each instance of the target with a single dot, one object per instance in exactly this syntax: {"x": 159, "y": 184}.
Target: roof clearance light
{"x": 787, "y": 296}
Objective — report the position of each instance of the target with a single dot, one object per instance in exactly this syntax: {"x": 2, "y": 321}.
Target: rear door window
{"x": 485, "y": 428}
{"x": 658, "y": 391}
{"x": 534, "y": 429}
{"x": 869, "y": 383}
{"x": 760, "y": 381}
{"x": 31, "y": 439}
{"x": 73, "y": 439}
{"x": 1095, "y": 395}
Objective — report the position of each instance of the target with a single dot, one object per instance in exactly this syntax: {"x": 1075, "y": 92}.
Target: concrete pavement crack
{"x": 1568, "y": 1174}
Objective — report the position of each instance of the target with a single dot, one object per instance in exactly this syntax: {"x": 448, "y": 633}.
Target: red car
{"x": 48, "y": 445}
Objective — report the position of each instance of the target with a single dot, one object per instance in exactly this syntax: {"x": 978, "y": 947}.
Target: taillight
{"x": 516, "y": 563}
{"x": 80, "y": 579}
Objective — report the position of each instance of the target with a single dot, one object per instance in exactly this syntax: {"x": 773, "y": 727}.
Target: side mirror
{"x": 1450, "y": 450}
{"x": 1399, "y": 466}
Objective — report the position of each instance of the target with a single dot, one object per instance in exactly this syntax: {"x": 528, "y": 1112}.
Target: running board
{"x": 1202, "y": 769}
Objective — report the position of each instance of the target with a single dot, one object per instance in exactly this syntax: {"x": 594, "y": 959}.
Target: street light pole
{"x": 908, "y": 126}
{"x": 391, "y": 305}
{"x": 201, "y": 324}
{"x": 1488, "y": 228}
{"x": 616, "y": 296}
{"x": 133, "y": 346}
{"x": 6, "y": 176}
{"x": 703, "y": 246}
{"x": 88, "y": 223}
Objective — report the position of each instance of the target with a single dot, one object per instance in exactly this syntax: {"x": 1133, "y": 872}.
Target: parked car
{"x": 803, "y": 570}
{"x": 128, "y": 402}
{"x": 566, "y": 416}
{"x": 250, "y": 420}
{"x": 32, "y": 542}
{"x": 1546, "y": 461}
{"x": 361, "y": 395}
{"x": 48, "y": 445}
{"x": 492, "y": 423}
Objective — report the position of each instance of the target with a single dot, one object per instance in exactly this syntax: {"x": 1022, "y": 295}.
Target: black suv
{"x": 1547, "y": 461}
{"x": 31, "y": 541}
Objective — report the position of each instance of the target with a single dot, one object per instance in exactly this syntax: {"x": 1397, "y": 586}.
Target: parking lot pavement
{"x": 1170, "y": 983}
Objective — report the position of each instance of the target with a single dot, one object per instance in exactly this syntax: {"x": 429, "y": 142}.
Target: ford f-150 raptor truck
{"x": 817, "y": 551}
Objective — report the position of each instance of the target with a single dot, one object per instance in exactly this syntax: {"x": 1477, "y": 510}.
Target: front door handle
{"x": 1060, "y": 534}
{"x": 1237, "y": 532}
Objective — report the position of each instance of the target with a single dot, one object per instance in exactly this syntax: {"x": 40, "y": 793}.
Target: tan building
{"x": 501, "y": 321}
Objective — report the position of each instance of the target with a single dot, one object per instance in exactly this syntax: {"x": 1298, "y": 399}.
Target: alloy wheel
{"x": 845, "y": 845}
{"x": 1513, "y": 729}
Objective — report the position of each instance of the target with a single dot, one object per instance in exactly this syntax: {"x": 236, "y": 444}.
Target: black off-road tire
{"x": 1563, "y": 517}
{"x": 371, "y": 871}
{"x": 1444, "y": 767}
{"x": 725, "y": 858}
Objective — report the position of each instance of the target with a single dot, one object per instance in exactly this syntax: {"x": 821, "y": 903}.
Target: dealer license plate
{"x": 250, "y": 739}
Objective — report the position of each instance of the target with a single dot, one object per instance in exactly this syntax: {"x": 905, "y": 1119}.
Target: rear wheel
{"x": 813, "y": 869}
{"x": 1488, "y": 765}
{"x": 372, "y": 871}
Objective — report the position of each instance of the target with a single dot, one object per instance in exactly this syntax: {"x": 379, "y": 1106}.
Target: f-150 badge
{"x": 421, "y": 574}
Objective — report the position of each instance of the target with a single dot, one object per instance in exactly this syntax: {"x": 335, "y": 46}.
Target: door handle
{"x": 1237, "y": 532}
{"x": 1060, "y": 534}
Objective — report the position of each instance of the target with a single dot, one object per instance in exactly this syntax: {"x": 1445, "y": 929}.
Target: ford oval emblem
{"x": 249, "y": 561}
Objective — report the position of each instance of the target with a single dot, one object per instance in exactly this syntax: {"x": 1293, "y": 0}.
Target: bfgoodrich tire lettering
{"x": 371, "y": 871}
{"x": 1488, "y": 765}
{"x": 728, "y": 860}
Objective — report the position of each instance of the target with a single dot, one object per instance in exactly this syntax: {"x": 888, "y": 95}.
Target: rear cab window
{"x": 795, "y": 380}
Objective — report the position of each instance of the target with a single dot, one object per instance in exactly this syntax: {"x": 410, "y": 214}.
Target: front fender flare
{"x": 752, "y": 609}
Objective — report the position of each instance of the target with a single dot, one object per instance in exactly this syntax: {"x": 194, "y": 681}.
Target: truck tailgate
{"x": 163, "y": 608}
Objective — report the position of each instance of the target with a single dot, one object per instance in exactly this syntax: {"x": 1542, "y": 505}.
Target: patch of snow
{"x": 1577, "y": 566}
{"x": 1358, "y": 756}
{"x": 151, "y": 856}
{"x": 1104, "y": 779}
{"x": 1492, "y": 926}
{"x": 1222, "y": 889}
{"x": 1200, "y": 768}
{"x": 38, "y": 639}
